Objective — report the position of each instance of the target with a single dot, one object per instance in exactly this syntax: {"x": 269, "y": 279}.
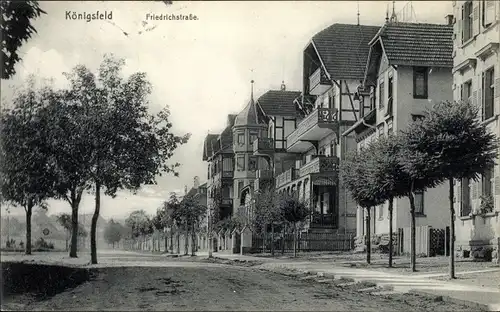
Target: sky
{"x": 200, "y": 68}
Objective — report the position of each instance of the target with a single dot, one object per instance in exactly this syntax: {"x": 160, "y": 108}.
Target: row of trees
{"x": 96, "y": 135}
{"x": 175, "y": 216}
{"x": 448, "y": 144}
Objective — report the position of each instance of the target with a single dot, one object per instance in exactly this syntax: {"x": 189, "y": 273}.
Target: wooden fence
{"x": 305, "y": 242}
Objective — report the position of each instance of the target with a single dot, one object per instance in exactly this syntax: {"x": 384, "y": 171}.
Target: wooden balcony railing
{"x": 286, "y": 177}
{"x": 264, "y": 174}
{"x": 320, "y": 164}
{"x": 320, "y": 117}
{"x": 263, "y": 145}
{"x": 318, "y": 78}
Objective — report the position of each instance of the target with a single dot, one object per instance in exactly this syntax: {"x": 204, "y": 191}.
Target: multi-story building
{"x": 476, "y": 78}
{"x": 333, "y": 66}
{"x": 218, "y": 152}
{"x": 408, "y": 69}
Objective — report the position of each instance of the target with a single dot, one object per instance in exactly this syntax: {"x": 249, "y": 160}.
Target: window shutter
{"x": 496, "y": 188}
{"x": 460, "y": 33}
{"x": 474, "y": 98}
{"x": 461, "y": 93}
{"x": 497, "y": 88}
{"x": 476, "y": 21}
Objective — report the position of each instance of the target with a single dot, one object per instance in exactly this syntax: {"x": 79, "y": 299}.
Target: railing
{"x": 227, "y": 174}
{"x": 320, "y": 116}
{"x": 287, "y": 176}
{"x": 320, "y": 164}
{"x": 264, "y": 174}
{"x": 327, "y": 220}
{"x": 263, "y": 145}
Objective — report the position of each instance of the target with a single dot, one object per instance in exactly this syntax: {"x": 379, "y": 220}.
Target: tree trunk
{"x": 413, "y": 256}
{"x": 29, "y": 212}
{"x": 272, "y": 239}
{"x": 264, "y": 237}
{"x": 171, "y": 241}
{"x": 178, "y": 243}
{"x": 452, "y": 230}
{"x": 93, "y": 226}
{"x": 368, "y": 236}
{"x": 186, "y": 241}
{"x": 74, "y": 229}
{"x": 166, "y": 240}
{"x": 295, "y": 234}
{"x": 391, "y": 206}
{"x": 283, "y": 240}
{"x": 193, "y": 242}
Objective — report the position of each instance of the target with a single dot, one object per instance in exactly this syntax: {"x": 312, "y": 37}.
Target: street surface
{"x": 132, "y": 281}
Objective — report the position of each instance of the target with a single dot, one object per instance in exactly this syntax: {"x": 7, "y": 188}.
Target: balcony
{"x": 318, "y": 83}
{"x": 286, "y": 177}
{"x": 320, "y": 123}
{"x": 320, "y": 165}
{"x": 264, "y": 174}
{"x": 263, "y": 146}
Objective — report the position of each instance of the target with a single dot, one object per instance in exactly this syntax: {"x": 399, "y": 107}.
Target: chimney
{"x": 283, "y": 86}
{"x": 196, "y": 183}
{"x": 449, "y": 19}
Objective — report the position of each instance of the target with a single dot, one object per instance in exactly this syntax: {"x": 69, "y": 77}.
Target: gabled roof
{"x": 278, "y": 102}
{"x": 418, "y": 44}
{"x": 207, "y": 145}
{"x": 343, "y": 49}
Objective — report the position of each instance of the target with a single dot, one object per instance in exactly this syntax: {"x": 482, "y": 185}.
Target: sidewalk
{"x": 473, "y": 295}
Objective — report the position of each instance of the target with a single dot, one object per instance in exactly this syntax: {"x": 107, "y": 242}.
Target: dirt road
{"x": 192, "y": 288}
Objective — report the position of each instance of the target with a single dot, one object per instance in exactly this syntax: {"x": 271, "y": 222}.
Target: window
{"x": 253, "y": 136}
{"x": 381, "y": 211}
{"x": 380, "y": 129}
{"x": 419, "y": 202}
{"x": 488, "y": 182}
{"x": 381, "y": 95}
{"x": 240, "y": 187}
{"x": 241, "y": 138}
{"x": 279, "y": 135}
{"x": 390, "y": 129}
{"x": 389, "y": 96}
{"x": 465, "y": 202}
{"x": 252, "y": 163}
{"x": 466, "y": 91}
{"x": 240, "y": 163}
{"x": 488, "y": 16}
{"x": 420, "y": 82}
{"x": 468, "y": 20}
{"x": 489, "y": 93}
{"x": 208, "y": 172}
{"x": 331, "y": 99}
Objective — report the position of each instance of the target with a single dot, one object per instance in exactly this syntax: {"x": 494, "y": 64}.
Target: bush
{"x": 42, "y": 244}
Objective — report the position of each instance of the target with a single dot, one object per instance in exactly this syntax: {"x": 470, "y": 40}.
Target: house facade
{"x": 408, "y": 69}
{"x": 333, "y": 65}
{"x": 476, "y": 78}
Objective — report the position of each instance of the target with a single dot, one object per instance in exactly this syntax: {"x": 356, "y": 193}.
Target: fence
{"x": 305, "y": 242}
{"x": 429, "y": 242}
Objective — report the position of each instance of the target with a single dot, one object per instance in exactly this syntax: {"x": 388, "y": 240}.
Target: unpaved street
{"x": 219, "y": 288}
